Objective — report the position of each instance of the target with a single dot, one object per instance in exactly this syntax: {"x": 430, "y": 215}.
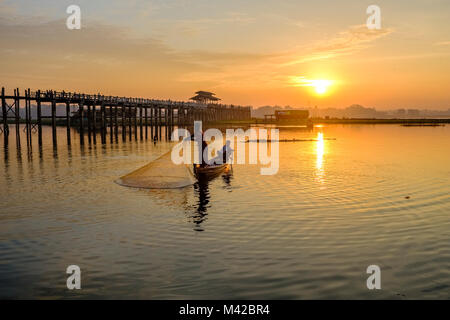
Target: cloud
{"x": 214, "y": 60}
{"x": 354, "y": 39}
{"x": 442, "y": 43}
{"x": 260, "y": 70}
{"x": 301, "y": 81}
{"x": 225, "y": 69}
{"x": 230, "y": 17}
{"x": 194, "y": 27}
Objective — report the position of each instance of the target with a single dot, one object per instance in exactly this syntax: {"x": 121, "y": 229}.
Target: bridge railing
{"x": 61, "y": 95}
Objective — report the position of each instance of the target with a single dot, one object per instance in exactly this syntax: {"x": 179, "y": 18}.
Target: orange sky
{"x": 251, "y": 53}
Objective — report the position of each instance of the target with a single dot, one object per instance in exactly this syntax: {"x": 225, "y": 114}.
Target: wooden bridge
{"x": 106, "y": 114}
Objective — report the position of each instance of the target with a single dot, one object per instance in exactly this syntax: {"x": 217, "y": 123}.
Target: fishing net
{"x": 161, "y": 173}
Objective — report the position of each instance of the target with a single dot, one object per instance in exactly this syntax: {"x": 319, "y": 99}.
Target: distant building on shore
{"x": 281, "y": 115}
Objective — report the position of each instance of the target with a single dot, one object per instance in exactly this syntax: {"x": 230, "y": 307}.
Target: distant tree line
{"x": 356, "y": 111}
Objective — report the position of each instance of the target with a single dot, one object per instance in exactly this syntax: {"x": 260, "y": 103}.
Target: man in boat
{"x": 226, "y": 153}
{"x": 201, "y": 150}
{"x": 204, "y": 147}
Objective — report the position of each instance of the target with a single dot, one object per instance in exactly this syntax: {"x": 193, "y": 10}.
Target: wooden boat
{"x": 210, "y": 171}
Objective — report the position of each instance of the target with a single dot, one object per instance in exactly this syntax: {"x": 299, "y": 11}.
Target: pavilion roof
{"x": 202, "y": 97}
{"x": 205, "y": 93}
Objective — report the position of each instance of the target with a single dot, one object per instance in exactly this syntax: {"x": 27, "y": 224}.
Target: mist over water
{"x": 377, "y": 194}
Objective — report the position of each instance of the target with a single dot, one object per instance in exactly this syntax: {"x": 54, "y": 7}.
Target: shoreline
{"x": 406, "y": 122}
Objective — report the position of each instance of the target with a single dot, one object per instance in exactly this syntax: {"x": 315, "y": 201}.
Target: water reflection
{"x": 201, "y": 189}
{"x": 227, "y": 177}
{"x": 320, "y": 151}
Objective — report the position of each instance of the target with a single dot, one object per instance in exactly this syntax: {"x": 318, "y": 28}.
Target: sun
{"x": 321, "y": 86}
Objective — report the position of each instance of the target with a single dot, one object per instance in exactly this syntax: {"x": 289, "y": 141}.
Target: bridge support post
{"x": 67, "y": 120}
{"x": 116, "y": 124}
{"x": 155, "y": 134}
{"x": 141, "y": 134}
{"x": 130, "y": 129}
{"x": 103, "y": 125}
{"x": 5, "y": 117}
{"x": 89, "y": 121}
{"x": 17, "y": 115}
{"x": 81, "y": 115}
{"x": 94, "y": 122}
{"x": 54, "y": 120}
{"x": 151, "y": 122}
{"x": 159, "y": 123}
{"x": 39, "y": 117}
{"x": 28, "y": 117}
{"x": 166, "y": 121}
{"x": 146, "y": 121}
{"x": 135, "y": 115}
{"x": 111, "y": 124}
{"x": 124, "y": 127}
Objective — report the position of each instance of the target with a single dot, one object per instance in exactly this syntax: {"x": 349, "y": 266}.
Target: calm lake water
{"x": 376, "y": 195}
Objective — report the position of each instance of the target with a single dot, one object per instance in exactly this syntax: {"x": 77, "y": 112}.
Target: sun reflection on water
{"x": 320, "y": 150}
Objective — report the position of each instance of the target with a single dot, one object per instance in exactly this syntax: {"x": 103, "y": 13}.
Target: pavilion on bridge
{"x": 205, "y": 97}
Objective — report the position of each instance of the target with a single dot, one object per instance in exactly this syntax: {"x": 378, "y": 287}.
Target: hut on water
{"x": 205, "y": 97}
